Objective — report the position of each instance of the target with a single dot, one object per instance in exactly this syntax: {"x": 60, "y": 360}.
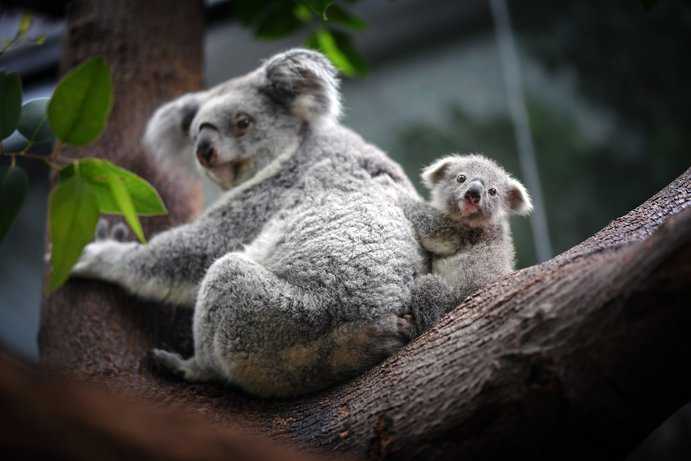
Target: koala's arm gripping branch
{"x": 585, "y": 351}
{"x": 438, "y": 233}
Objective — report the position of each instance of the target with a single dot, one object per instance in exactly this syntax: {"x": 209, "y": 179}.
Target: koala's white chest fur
{"x": 452, "y": 269}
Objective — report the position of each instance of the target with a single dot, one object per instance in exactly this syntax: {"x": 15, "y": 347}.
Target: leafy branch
{"x": 22, "y": 30}
{"x": 76, "y": 115}
{"x": 329, "y": 24}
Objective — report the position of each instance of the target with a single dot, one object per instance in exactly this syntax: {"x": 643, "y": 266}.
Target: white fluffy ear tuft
{"x": 167, "y": 132}
{"x": 306, "y": 82}
{"x": 433, "y": 173}
{"x": 518, "y": 199}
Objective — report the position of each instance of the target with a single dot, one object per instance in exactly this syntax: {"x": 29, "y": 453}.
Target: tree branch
{"x": 582, "y": 351}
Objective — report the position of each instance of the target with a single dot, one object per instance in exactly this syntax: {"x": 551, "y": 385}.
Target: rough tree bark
{"x": 580, "y": 356}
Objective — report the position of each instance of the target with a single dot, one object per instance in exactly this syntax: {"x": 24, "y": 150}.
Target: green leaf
{"x": 124, "y": 202}
{"x": 319, "y": 7}
{"x": 340, "y": 15}
{"x": 302, "y": 12}
{"x": 24, "y": 25}
{"x": 81, "y": 103}
{"x": 339, "y": 49}
{"x": 33, "y": 123}
{"x": 13, "y": 187}
{"x": 345, "y": 44}
{"x": 144, "y": 197}
{"x": 10, "y": 102}
{"x": 73, "y": 214}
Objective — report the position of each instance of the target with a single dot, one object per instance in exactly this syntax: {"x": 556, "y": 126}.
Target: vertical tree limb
{"x": 154, "y": 48}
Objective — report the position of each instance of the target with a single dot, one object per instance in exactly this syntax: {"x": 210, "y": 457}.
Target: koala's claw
{"x": 120, "y": 232}
{"x": 105, "y": 231}
{"x": 167, "y": 363}
{"x": 186, "y": 369}
{"x": 102, "y": 229}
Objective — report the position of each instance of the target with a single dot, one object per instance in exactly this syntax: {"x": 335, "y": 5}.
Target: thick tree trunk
{"x": 580, "y": 356}
{"x": 154, "y": 48}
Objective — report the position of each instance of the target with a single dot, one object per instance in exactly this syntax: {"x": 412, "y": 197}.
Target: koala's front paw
{"x": 99, "y": 257}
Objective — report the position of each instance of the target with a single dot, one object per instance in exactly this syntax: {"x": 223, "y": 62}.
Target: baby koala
{"x": 466, "y": 228}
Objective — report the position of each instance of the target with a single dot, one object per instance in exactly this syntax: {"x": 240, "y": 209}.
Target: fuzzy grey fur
{"x": 302, "y": 273}
{"x": 470, "y": 241}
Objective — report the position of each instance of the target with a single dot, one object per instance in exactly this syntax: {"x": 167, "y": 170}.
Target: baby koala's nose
{"x": 206, "y": 154}
{"x": 474, "y": 193}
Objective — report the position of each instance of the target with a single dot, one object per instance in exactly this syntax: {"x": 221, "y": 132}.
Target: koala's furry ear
{"x": 306, "y": 82}
{"x": 167, "y": 132}
{"x": 432, "y": 174}
{"x": 517, "y": 198}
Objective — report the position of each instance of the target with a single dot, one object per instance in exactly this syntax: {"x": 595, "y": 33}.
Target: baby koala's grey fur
{"x": 304, "y": 271}
{"x": 466, "y": 228}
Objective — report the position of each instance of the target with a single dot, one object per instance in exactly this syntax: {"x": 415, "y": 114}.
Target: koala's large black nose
{"x": 474, "y": 193}
{"x": 206, "y": 153}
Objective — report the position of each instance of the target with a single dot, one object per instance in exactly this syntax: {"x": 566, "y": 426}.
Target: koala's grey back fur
{"x": 317, "y": 281}
{"x": 304, "y": 271}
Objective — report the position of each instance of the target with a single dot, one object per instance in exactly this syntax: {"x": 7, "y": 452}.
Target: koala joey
{"x": 303, "y": 272}
{"x": 465, "y": 227}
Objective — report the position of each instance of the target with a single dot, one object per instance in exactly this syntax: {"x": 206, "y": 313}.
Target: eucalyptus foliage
{"x": 328, "y": 24}
{"x": 76, "y": 114}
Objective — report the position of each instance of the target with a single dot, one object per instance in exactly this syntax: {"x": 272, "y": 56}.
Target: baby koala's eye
{"x": 492, "y": 191}
{"x": 460, "y": 178}
{"x": 241, "y": 122}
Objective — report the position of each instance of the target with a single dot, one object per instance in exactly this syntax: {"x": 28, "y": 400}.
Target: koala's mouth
{"x": 469, "y": 209}
{"x": 229, "y": 173}
{"x": 471, "y": 214}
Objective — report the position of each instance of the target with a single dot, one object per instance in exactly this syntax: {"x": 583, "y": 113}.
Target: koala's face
{"x": 475, "y": 190}
{"x": 241, "y": 126}
{"x": 239, "y": 130}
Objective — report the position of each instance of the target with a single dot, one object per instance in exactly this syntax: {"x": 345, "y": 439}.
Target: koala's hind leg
{"x": 187, "y": 369}
{"x": 249, "y": 323}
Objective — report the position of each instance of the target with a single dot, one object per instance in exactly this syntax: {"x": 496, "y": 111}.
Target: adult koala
{"x": 302, "y": 273}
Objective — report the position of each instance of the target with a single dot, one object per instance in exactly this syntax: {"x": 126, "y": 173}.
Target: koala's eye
{"x": 492, "y": 191}
{"x": 460, "y": 178}
{"x": 241, "y": 122}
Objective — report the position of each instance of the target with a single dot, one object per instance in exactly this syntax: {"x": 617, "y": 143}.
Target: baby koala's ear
{"x": 306, "y": 82}
{"x": 432, "y": 174}
{"x": 518, "y": 199}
